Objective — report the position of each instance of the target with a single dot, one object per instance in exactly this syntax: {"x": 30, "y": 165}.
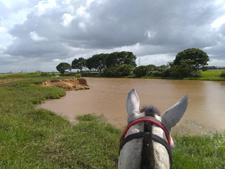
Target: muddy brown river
{"x": 107, "y": 96}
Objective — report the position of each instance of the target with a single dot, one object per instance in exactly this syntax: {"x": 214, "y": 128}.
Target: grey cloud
{"x": 159, "y": 27}
{"x": 124, "y": 23}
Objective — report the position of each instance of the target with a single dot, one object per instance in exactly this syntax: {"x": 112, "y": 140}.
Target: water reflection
{"x": 205, "y": 113}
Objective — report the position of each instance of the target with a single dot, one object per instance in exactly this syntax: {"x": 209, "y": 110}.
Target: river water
{"x": 107, "y": 96}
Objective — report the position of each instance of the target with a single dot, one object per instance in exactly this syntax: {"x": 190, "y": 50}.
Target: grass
{"x": 199, "y": 152}
{"x": 37, "y": 138}
{"x": 212, "y": 75}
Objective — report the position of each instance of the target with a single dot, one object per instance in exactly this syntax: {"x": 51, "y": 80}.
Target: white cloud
{"x": 89, "y": 2}
{"x": 81, "y": 12}
{"x": 35, "y": 37}
{"x": 67, "y": 18}
{"x": 2, "y": 29}
{"x": 218, "y": 22}
{"x": 157, "y": 59}
{"x": 43, "y": 6}
{"x": 5, "y": 38}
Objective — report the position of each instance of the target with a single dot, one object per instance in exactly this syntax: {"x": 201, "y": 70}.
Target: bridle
{"x": 166, "y": 144}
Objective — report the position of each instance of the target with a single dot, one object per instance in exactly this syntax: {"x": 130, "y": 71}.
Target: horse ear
{"x": 133, "y": 104}
{"x": 173, "y": 115}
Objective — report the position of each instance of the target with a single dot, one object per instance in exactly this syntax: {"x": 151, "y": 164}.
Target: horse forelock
{"x": 150, "y": 111}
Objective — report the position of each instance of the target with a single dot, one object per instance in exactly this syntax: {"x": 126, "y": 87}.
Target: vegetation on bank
{"x": 209, "y": 75}
{"x": 213, "y": 75}
{"x": 37, "y": 138}
{"x": 187, "y": 63}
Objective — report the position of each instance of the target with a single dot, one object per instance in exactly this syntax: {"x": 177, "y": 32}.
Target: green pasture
{"x": 36, "y": 138}
{"x": 212, "y": 75}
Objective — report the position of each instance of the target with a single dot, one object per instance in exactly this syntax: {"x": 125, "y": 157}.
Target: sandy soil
{"x": 68, "y": 84}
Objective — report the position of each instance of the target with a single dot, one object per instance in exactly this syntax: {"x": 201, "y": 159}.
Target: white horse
{"x": 146, "y": 143}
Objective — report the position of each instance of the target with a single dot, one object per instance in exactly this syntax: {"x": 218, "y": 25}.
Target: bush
{"x": 110, "y": 72}
{"x": 141, "y": 71}
{"x": 118, "y": 71}
{"x": 161, "y": 71}
{"x": 222, "y": 74}
{"x": 184, "y": 69}
{"x": 78, "y": 75}
{"x": 124, "y": 70}
{"x": 45, "y": 74}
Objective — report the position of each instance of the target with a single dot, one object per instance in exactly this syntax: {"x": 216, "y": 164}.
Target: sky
{"x": 36, "y": 35}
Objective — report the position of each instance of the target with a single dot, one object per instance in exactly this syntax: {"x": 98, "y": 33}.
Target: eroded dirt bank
{"x": 68, "y": 84}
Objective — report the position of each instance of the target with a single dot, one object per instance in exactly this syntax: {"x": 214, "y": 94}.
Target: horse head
{"x": 146, "y": 143}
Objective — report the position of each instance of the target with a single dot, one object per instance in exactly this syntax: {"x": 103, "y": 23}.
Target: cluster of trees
{"x": 109, "y": 64}
{"x": 186, "y": 64}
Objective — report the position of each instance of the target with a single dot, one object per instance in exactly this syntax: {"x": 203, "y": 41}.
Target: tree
{"x": 152, "y": 67}
{"x": 197, "y": 58}
{"x": 62, "y": 67}
{"x": 141, "y": 71}
{"x": 120, "y": 58}
{"x": 161, "y": 71}
{"x": 79, "y": 63}
{"x": 184, "y": 69}
{"x": 97, "y": 62}
{"x": 118, "y": 71}
{"x": 124, "y": 70}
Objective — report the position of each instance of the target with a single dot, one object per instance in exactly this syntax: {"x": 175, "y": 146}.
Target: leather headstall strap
{"x": 156, "y": 138}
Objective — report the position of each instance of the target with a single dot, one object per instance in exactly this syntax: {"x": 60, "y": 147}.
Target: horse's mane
{"x": 147, "y": 159}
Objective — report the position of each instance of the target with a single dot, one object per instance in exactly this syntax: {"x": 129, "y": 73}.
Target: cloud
{"x": 44, "y": 6}
{"x": 53, "y": 30}
{"x": 34, "y": 36}
{"x": 67, "y": 18}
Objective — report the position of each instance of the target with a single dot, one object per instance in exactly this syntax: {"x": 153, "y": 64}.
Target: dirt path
{"x": 9, "y": 80}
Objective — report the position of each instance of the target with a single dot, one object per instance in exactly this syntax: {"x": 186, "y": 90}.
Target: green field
{"x": 212, "y": 75}
{"x": 37, "y": 138}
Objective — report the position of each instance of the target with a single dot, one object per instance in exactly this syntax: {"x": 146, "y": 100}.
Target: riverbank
{"x": 209, "y": 75}
{"x": 37, "y": 138}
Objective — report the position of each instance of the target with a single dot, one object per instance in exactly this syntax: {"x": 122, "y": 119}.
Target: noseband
{"x": 156, "y": 138}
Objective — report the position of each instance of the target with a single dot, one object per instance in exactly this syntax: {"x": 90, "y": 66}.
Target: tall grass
{"x": 36, "y": 138}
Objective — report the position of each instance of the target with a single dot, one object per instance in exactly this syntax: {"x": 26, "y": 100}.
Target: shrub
{"x": 141, "y": 71}
{"x": 45, "y": 74}
{"x": 118, "y": 71}
{"x": 124, "y": 70}
{"x": 161, "y": 71}
{"x": 78, "y": 75}
{"x": 110, "y": 72}
{"x": 184, "y": 69}
{"x": 222, "y": 74}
